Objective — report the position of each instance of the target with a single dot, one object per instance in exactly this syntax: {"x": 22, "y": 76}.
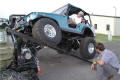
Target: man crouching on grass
{"x": 107, "y": 64}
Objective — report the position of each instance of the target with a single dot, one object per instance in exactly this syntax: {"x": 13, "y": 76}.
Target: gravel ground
{"x": 64, "y": 67}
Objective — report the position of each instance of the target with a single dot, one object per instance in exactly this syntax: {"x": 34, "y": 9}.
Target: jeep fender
{"x": 42, "y": 16}
{"x": 87, "y": 31}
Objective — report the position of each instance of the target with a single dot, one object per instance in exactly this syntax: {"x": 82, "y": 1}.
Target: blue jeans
{"x": 104, "y": 71}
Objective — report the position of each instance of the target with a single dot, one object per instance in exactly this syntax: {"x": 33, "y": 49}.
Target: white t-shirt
{"x": 75, "y": 18}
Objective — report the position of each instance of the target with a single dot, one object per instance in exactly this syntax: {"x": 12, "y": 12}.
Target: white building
{"x": 104, "y": 24}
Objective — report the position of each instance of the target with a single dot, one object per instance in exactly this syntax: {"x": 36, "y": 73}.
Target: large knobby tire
{"x": 47, "y": 31}
{"x": 87, "y": 48}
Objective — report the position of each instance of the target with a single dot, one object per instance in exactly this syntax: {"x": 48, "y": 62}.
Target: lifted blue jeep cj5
{"x": 54, "y": 29}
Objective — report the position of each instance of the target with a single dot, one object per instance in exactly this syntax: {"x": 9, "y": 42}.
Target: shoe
{"x": 110, "y": 77}
{"x": 119, "y": 71}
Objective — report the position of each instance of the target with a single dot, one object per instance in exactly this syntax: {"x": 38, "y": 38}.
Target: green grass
{"x": 104, "y": 38}
{"x": 3, "y": 44}
{"x": 1, "y": 30}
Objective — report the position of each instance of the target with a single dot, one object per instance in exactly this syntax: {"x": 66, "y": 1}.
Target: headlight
{"x": 28, "y": 19}
{"x": 28, "y": 56}
{"x": 27, "y": 53}
{"x": 31, "y": 17}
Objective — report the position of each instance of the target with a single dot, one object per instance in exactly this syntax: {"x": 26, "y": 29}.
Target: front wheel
{"x": 87, "y": 48}
{"x": 47, "y": 31}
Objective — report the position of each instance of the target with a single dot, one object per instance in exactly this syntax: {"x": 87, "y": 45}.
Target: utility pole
{"x": 115, "y": 10}
{"x": 110, "y": 32}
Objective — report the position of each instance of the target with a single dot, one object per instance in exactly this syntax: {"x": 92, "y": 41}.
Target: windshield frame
{"x": 61, "y": 10}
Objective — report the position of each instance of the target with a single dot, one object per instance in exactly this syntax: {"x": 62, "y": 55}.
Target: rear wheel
{"x": 87, "y": 48}
{"x": 47, "y": 31}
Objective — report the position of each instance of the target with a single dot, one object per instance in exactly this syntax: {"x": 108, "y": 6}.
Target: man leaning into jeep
{"x": 107, "y": 63}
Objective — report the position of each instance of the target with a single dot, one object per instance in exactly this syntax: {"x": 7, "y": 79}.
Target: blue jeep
{"x": 54, "y": 29}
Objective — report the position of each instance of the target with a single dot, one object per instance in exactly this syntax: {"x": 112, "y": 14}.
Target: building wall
{"x": 117, "y": 27}
{"x": 102, "y": 23}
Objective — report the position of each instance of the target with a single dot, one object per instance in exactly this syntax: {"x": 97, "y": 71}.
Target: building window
{"x": 107, "y": 27}
{"x": 95, "y": 26}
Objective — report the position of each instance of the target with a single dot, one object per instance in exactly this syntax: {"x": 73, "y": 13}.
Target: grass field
{"x": 1, "y": 30}
{"x": 104, "y": 38}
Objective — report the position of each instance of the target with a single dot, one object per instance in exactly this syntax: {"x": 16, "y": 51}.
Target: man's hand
{"x": 92, "y": 67}
{"x": 98, "y": 61}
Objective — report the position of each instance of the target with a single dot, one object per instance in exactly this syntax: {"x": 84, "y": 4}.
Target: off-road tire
{"x": 84, "y": 52}
{"x": 39, "y": 34}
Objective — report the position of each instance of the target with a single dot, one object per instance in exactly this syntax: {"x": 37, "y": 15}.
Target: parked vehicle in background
{"x": 3, "y": 22}
{"x": 14, "y": 19}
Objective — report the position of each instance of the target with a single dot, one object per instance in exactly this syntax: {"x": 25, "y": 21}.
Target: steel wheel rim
{"x": 49, "y": 31}
{"x": 91, "y": 48}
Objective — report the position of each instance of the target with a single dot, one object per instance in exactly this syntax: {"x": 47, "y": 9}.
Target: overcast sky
{"x": 101, "y": 7}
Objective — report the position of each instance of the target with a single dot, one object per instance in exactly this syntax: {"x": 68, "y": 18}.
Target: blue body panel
{"x": 61, "y": 19}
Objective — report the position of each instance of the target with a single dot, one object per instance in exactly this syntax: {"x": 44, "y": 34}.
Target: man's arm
{"x": 96, "y": 61}
{"x": 92, "y": 66}
{"x": 99, "y": 61}
{"x": 71, "y": 21}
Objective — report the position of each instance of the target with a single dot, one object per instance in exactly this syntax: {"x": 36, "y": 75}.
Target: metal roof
{"x": 105, "y": 16}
